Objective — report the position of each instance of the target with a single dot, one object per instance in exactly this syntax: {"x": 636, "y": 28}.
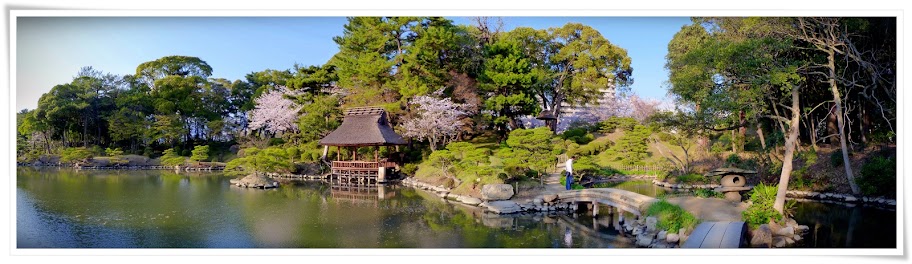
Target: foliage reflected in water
{"x": 111, "y": 209}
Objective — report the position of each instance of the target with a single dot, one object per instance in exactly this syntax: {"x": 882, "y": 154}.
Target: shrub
{"x": 98, "y": 151}
{"x": 573, "y": 186}
{"x": 593, "y": 148}
{"x": 585, "y": 166}
{"x": 878, "y": 177}
{"x": 115, "y": 156}
{"x": 75, "y": 154}
{"x": 613, "y": 123}
{"x": 409, "y": 169}
{"x": 170, "y": 158}
{"x": 721, "y": 144}
{"x": 761, "y": 210}
{"x": 809, "y": 156}
{"x": 671, "y": 217}
{"x": 276, "y": 142}
{"x": 733, "y": 159}
{"x": 691, "y": 178}
{"x": 836, "y": 158}
{"x": 632, "y": 147}
{"x": 272, "y": 159}
{"x": 200, "y": 153}
{"x": 580, "y": 135}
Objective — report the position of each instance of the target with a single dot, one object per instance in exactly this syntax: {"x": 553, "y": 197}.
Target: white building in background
{"x": 607, "y": 106}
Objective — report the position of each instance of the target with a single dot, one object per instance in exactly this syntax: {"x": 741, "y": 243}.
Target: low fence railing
{"x": 363, "y": 164}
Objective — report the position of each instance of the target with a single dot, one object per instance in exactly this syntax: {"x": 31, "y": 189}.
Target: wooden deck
{"x": 360, "y": 171}
{"x": 718, "y": 235}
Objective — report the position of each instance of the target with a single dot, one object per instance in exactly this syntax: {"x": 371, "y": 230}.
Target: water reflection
{"x": 111, "y": 209}
{"x": 840, "y": 226}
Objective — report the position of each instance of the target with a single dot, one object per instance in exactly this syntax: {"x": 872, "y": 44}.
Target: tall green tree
{"x": 507, "y": 82}
{"x": 581, "y": 64}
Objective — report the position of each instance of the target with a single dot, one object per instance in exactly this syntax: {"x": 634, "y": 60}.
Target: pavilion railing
{"x": 362, "y": 164}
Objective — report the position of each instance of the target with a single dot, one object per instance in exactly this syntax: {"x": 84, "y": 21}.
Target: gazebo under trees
{"x": 362, "y": 127}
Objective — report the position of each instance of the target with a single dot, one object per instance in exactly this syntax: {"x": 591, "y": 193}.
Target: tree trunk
{"x": 85, "y": 132}
{"x": 762, "y": 138}
{"x": 863, "y": 123}
{"x": 779, "y": 203}
{"x": 813, "y": 135}
{"x": 840, "y": 121}
{"x": 742, "y": 131}
{"x": 47, "y": 143}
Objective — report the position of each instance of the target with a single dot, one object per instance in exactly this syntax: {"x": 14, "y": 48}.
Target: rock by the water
{"x": 774, "y": 227}
{"x": 256, "y": 181}
{"x": 549, "y": 198}
{"x": 651, "y": 223}
{"x": 503, "y": 207}
{"x": 496, "y": 192}
{"x": 469, "y": 200}
{"x": 662, "y": 235}
{"x": 786, "y": 231}
{"x": 779, "y": 242}
{"x": 672, "y": 238}
{"x": 761, "y": 237}
{"x": 643, "y": 240}
{"x": 791, "y": 222}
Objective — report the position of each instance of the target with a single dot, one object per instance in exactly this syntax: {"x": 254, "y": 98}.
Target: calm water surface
{"x": 831, "y": 225}
{"x": 62, "y": 208}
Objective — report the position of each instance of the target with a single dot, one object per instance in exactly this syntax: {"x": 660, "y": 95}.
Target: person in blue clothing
{"x": 569, "y": 170}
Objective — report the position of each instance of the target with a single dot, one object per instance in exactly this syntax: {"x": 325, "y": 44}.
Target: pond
{"x": 831, "y": 225}
{"x": 64, "y": 208}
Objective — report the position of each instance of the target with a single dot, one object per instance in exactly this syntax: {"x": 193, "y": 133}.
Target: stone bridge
{"x": 628, "y": 201}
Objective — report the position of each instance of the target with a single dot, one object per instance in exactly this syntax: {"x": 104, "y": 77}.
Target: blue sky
{"x": 50, "y": 50}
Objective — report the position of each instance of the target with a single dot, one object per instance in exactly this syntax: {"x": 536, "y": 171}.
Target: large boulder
{"x": 256, "y": 181}
{"x": 495, "y": 192}
{"x": 761, "y": 237}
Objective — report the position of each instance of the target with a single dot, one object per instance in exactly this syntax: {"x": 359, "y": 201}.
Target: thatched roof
{"x": 546, "y": 115}
{"x": 363, "y": 126}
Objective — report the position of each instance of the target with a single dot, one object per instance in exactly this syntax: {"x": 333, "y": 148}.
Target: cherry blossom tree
{"x": 436, "y": 121}
{"x": 274, "y": 112}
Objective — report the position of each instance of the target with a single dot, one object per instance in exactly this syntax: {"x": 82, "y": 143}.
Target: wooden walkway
{"x": 718, "y": 235}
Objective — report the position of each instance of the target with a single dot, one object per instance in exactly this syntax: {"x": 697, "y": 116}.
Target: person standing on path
{"x": 569, "y": 170}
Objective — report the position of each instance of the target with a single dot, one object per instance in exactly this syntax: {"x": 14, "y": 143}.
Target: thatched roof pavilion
{"x": 362, "y": 127}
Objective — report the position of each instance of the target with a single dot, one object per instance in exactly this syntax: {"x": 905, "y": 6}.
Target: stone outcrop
{"x": 496, "y": 192}
{"x": 502, "y": 207}
{"x": 255, "y": 181}
{"x": 761, "y": 237}
{"x": 778, "y": 234}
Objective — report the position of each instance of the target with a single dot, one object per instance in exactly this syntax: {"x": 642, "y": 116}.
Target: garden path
{"x": 710, "y": 209}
